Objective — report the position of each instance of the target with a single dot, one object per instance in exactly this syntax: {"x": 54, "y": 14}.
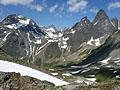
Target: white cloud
{"x": 77, "y": 5}
{"x": 27, "y": 3}
{"x": 94, "y": 10}
{"x": 59, "y": 10}
{"x": 113, "y": 5}
{"x": 53, "y": 8}
{"x": 15, "y": 2}
{"x": 37, "y": 7}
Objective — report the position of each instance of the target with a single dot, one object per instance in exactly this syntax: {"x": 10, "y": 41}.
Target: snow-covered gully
{"x": 6, "y": 66}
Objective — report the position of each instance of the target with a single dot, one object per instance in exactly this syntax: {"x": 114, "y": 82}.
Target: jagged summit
{"x": 101, "y": 16}
{"x": 85, "y": 21}
{"x": 52, "y": 28}
{"x": 17, "y": 19}
{"x": 13, "y": 18}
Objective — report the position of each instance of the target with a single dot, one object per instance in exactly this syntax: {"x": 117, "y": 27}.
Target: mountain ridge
{"x": 87, "y": 52}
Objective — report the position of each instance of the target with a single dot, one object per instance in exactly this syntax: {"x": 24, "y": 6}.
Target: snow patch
{"x": 19, "y": 24}
{"x": 50, "y": 40}
{"x": 83, "y": 66}
{"x": 27, "y": 52}
{"x": 113, "y": 24}
{"x": 5, "y": 38}
{"x": 118, "y": 61}
{"x": 72, "y": 31}
{"x": 91, "y": 76}
{"x": 38, "y": 41}
{"x": 83, "y": 81}
{"x": 60, "y": 35}
{"x": 17, "y": 34}
{"x": 90, "y": 41}
{"x": 95, "y": 23}
{"x": 119, "y": 28}
{"x": 64, "y": 46}
{"x": 51, "y": 69}
{"x": 6, "y": 66}
{"x": 75, "y": 72}
{"x": 12, "y": 26}
{"x": 65, "y": 39}
{"x": 25, "y": 22}
{"x": 85, "y": 70}
{"x": 118, "y": 76}
{"x": 66, "y": 74}
{"x": 96, "y": 42}
{"x": 5, "y": 31}
{"x": 52, "y": 35}
{"x": 50, "y": 29}
{"x": 114, "y": 71}
{"x": 20, "y": 16}
{"x": 79, "y": 81}
{"x": 54, "y": 74}
{"x": 29, "y": 37}
{"x": 105, "y": 61}
{"x": 108, "y": 66}
{"x": 91, "y": 79}
{"x": 63, "y": 42}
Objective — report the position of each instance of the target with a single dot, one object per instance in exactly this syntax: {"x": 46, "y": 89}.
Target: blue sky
{"x": 61, "y": 13}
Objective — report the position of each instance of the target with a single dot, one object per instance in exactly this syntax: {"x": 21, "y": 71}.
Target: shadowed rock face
{"x": 101, "y": 16}
{"x": 115, "y": 22}
{"x": 102, "y": 23}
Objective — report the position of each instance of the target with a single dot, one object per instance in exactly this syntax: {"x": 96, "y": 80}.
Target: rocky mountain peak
{"x": 101, "y": 16}
{"x": 52, "y": 27}
{"x": 85, "y": 21}
{"x": 13, "y": 18}
{"x": 17, "y": 20}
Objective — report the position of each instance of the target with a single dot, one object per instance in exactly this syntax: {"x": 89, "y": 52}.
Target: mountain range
{"x": 87, "y": 48}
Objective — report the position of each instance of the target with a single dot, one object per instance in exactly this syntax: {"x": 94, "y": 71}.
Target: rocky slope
{"x": 14, "y": 81}
{"x": 103, "y": 63}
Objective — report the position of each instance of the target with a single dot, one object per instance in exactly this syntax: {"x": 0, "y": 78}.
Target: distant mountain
{"x": 18, "y": 34}
{"x": 51, "y": 32}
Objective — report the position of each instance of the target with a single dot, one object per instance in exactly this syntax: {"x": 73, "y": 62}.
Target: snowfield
{"x": 6, "y": 66}
{"x": 105, "y": 61}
